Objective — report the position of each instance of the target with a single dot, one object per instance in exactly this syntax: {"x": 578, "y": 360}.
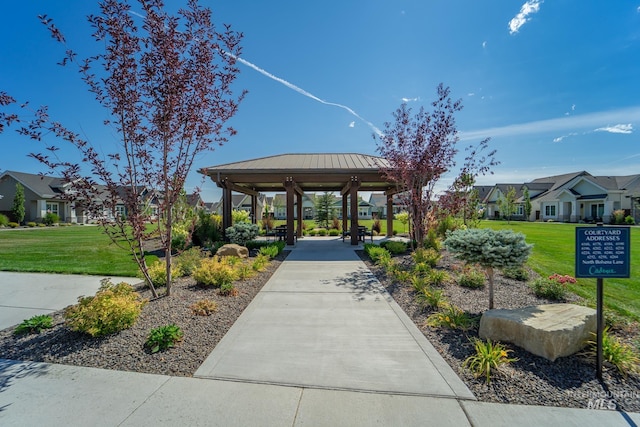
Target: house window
{"x": 597, "y": 210}
{"x": 520, "y": 210}
{"x": 550, "y": 210}
{"x": 363, "y": 213}
{"x": 52, "y": 208}
{"x": 120, "y": 211}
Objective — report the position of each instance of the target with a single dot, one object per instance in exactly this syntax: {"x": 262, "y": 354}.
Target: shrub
{"x": 419, "y": 283}
{"x": 429, "y": 256}
{"x": 489, "y": 358}
{"x": 394, "y": 247}
{"x": 377, "y": 254}
{"x": 549, "y": 288}
{"x": 50, "y": 219}
{"x": 517, "y": 273}
{"x": 244, "y": 271}
{"x": 4, "y": 220}
{"x": 41, "y": 224}
{"x": 227, "y": 289}
{"x": 616, "y": 353}
{"x": 163, "y": 338}
{"x": 376, "y": 227}
{"x": 112, "y": 309}
{"x": 13, "y": 225}
{"x": 437, "y": 277}
{"x": 629, "y": 220}
{"x": 432, "y": 241}
{"x": 242, "y": 232}
{"x": 422, "y": 268}
{"x": 312, "y": 232}
{"x": 208, "y": 229}
{"x": 617, "y": 216}
{"x": 336, "y": 224}
{"x": 450, "y": 317}
{"x": 334, "y": 232}
{"x": 34, "y": 325}
{"x": 562, "y": 279}
{"x": 204, "y": 307}
{"x": 322, "y": 232}
{"x": 432, "y": 298}
{"x": 239, "y": 216}
{"x": 214, "y": 272}
{"x": 269, "y": 251}
{"x": 31, "y": 224}
{"x": 401, "y": 275}
{"x": 188, "y": 261}
{"x": 267, "y": 223}
{"x": 471, "y": 278}
{"x": 260, "y": 262}
{"x": 158, "y": 272}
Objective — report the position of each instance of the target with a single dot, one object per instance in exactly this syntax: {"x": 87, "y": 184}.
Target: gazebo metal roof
{"x": 310, "y": 172}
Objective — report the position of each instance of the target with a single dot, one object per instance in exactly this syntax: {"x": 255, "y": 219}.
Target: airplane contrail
{"x": 304, "y": 92}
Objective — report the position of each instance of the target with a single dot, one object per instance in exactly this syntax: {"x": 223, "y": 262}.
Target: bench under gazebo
{"x": 346, "y": 173}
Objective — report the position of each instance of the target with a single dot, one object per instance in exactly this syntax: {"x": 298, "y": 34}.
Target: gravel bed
{"x": 531, "y": 380}
{"x": 125, "y": 351}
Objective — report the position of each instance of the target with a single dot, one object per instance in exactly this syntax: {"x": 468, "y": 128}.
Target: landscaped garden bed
{"x": 531, "y": 380}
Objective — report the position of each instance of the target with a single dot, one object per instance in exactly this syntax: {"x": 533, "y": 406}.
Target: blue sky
{"x": 555, "y": 84}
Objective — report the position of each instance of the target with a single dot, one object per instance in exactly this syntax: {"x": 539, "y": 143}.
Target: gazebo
{"x": 346, "y": 173}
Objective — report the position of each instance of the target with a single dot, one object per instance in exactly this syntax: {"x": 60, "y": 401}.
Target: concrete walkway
{"x": 321, "y": 345}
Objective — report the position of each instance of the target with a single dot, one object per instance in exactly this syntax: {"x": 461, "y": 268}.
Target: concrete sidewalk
{"x": 321, "y": 345}
{"x": 24, "y": 295}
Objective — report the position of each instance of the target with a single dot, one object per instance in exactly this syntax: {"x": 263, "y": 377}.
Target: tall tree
{"x": 166, "y": 85}
{"x": 420, "y": 150}
{"x": 507, "y": 203}
{"x": 325, "y": 210}
{"x": 18, "y": 204}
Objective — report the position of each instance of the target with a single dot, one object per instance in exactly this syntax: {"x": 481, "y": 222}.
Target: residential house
{"x": 46, "y": 194}
{"x": 572, "y": 197}
{"x": 42, "y": 194}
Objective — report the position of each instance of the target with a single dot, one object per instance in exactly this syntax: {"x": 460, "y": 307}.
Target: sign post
{"x": 602, "y": 252}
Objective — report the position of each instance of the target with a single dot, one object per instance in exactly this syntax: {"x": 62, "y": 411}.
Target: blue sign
{"x": 602, "y": 252}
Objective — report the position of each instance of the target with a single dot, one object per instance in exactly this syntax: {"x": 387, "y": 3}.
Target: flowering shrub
{"x": 562, "y": 279}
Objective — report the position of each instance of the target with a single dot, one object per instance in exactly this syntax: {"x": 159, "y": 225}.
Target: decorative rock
{"x": 232, "y": 249}
{"x": 549, "y": 330}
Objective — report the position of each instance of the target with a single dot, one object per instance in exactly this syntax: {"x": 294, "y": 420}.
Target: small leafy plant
{"x": 450, "y": 317}
{"x": 394, "y": 247}
{"x": 516, "y": 273}
{"x": 188, "y": 261}
{"x": 428, "y": 256}
{"x": 431, "y": 298}
{"x": 163, "y": 338}
{"x": 228, "y": 289}
{"x": 471, "y": 278}
{"x": 215, "y": 272}
{"x": 488, "y": 359}
{"x": 437, "y": 277}
{"x": 34, "y": 325}
{"x": 617, "y": 353}
{"x": 204, "y": 307}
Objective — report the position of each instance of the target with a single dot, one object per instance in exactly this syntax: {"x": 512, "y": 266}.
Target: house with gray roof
{"x": 572, "y": 197}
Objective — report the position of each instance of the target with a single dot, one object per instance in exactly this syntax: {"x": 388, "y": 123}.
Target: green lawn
{"x": 73, "y": 250}
{"x": 397, "y": 225}
{"x": 554, "y": 252}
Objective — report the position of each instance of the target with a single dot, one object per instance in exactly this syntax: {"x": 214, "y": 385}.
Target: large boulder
{"x": 549, "y": 330}
{"x": 232, "y": 249}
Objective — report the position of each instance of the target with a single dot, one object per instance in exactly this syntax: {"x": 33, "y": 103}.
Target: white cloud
{"x": 621, "y": 128}
{"x": 471, "y": 94}
{"x": 569, "y": 123}
{"x": 484, "y": 44}
{"x": 411, "y": 99}
{"x": 352, "y": 124}
{"x": 529, "y": 8}
{"x": 573, "y": 107}
{"x": 560, "y": 138}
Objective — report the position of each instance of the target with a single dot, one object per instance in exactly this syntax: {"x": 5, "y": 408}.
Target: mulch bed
{"x": 531, "y": 380}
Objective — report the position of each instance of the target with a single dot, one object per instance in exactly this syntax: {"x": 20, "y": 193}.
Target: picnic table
{"x": 363, "y": 232}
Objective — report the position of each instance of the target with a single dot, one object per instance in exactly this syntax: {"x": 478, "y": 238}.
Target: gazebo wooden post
{"x": 353, "y": 194}
{"x": 299, "y": 214}
{"x": 389, "y": 215}
{"x": 345, "y": 197}
{"x": 290, "y": 190}
{"x": 254, "y": 209}
{"x": 227, "y": 219}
